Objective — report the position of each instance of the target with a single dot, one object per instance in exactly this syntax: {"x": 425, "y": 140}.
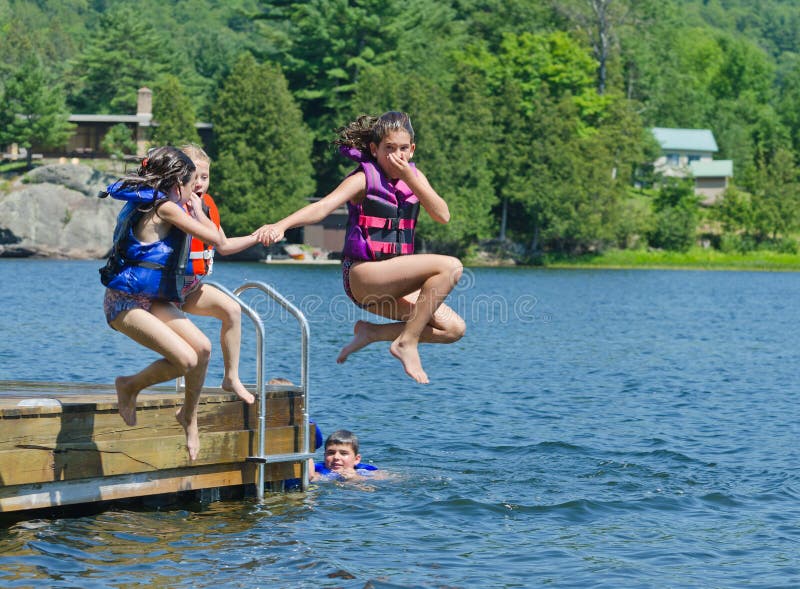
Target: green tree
{"x": 125, "y": 55}
{"x": 119, "y": 141}
{"x": 173, "y": 113}
{"x": 331, "y": 44}
{"x": 263, "y": 171}
{"x": 34, "y": 111}
{"x": 677, "y": 210}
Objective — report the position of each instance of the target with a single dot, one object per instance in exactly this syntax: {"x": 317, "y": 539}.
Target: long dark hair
{"x": 162, "y": 169}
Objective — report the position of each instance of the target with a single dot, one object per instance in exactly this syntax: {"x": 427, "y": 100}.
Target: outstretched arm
{"x": 351, "y": 188}
{"x": 233, "y": 245}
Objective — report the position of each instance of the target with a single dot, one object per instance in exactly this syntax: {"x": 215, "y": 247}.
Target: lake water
{"x": 593, "y": 429}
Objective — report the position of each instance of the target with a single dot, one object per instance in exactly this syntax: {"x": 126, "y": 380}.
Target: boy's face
{"x": 341, "y": 457}
{"x": 202, "y": 178}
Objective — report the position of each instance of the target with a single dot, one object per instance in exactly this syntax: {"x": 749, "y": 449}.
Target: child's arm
{"x": 430, "y": 200}
{"x": 350, "y": 188}
{"x": 233, "y": 245}
{"x": 313, "y": 475}
{"x": 174, "y": 214}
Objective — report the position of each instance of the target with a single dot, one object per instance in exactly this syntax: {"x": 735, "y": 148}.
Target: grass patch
{"x": 696, "y": 258}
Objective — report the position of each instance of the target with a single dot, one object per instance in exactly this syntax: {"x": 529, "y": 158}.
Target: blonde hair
{"x": 196, "y": 153}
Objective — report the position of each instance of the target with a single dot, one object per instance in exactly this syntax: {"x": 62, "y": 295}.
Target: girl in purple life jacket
{"x": 380, "y": 271}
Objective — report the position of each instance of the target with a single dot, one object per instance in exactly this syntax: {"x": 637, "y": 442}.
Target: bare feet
{"x": 362, "y": 336}
{"x": 126, "y": 399}
{"x": 236, "y": 386}
{"x": 409, "y": 356}
{"x": 192, "y": 434}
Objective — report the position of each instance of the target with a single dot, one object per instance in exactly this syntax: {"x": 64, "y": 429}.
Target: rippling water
{"x": 593, "y": 429}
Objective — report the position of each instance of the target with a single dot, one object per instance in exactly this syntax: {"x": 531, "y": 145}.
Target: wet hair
{"x": 162, "y": 169}
{"x": 196, "y": 152}
{"x": 345, "y": 438}
{"x": 367, "y": 129}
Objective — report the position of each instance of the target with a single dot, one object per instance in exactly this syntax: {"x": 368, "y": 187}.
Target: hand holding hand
{"x": 268, "y": 234}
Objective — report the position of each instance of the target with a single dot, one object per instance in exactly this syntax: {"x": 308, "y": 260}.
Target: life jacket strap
{"x": 392, "y": 248}
{"x": 371, "y": 222}
{"x": 206, "y": 254}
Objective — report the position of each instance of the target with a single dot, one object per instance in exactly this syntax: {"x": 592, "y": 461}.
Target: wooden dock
{"x": 65, "y": 444}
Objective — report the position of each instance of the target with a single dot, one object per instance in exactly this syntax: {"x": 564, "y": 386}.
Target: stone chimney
{"x": 144, "y": 112}
{"x": 144, "y": 102}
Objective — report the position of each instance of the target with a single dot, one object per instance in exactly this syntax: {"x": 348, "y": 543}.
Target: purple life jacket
{"x": 382, "y": 225}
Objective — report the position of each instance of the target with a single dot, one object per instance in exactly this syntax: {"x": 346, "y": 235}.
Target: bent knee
{"x": 202, "y": 348}
{"x": 457, "y": 329}
{"x": 454, "y": 268}
{"x": 230, "y": 312}
{"x": 186, "y": 361}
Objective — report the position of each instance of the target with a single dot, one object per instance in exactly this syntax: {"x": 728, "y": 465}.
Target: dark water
{"x": 593, "y": 429}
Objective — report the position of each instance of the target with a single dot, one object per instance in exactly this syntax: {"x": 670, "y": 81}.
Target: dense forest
{"x": 532, "y": 116}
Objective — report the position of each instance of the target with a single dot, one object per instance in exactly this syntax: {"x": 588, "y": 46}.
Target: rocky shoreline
{"x": 53, "y": 211}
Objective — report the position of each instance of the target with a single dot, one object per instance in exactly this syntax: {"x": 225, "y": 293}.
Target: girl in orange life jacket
{"x": 379, "y": 273}
{"x": 208, "y": 301}
{"x": 134, "y": 308}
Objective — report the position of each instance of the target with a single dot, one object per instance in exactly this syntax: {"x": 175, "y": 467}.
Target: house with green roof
{"x": 690, "y": 152}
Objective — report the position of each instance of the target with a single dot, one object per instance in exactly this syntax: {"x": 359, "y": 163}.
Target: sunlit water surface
{"x": 593, "y": 429}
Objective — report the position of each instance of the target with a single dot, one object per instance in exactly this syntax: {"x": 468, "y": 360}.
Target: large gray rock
{"x": 56, "y": 213}
{"x": 78, "y": 177}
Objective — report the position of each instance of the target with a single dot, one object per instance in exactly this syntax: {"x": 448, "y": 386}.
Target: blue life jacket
{"x": 156, "y": 270}
{"x": 360, "y": 468}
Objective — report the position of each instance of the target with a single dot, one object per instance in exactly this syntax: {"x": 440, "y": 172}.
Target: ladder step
{"x": 273, "y": 458}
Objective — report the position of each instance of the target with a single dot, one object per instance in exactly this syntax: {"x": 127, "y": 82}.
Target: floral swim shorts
{"x": 116, "y": 301}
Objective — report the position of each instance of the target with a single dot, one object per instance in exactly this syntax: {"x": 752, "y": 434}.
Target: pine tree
{"x": 263, "y": 170}
{"x": 33, "y": 110}
{"x": 174, "y": 114}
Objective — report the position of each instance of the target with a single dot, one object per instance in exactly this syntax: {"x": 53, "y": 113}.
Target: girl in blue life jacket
{"x": 380, "y": 271}
{"x": 145, "y": 275}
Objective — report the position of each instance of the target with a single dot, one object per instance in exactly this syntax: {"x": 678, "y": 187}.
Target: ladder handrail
{"x": 261, "y": 458}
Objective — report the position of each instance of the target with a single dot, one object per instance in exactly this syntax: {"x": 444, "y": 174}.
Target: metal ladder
{"x": 262, "y": 459}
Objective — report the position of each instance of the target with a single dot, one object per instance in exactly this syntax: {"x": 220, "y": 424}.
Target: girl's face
{"x": 396, "y": 145}
{"x": 184, "y": 191}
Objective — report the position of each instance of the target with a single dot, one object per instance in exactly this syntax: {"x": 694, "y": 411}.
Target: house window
{"x": 673, "y": 159}
{"x": 694, "y": 158}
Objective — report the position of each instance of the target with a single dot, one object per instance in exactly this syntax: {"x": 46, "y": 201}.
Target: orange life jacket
{"x": 201, "y": 256}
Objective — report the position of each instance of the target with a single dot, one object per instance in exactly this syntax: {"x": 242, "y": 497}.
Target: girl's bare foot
{"x": 409, "y": 356}
{"x": 192, "y": 434}
{"x": 126, "y": 399}
{"x": 236, "y": 386}
{"x": 362, "y": 336}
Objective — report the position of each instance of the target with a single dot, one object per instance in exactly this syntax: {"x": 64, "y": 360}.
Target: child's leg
{"x": 148, "y": 330}
{"x": 195, "y": 377}
{"x": 383, "y": 284}
{"x": 445, "y": 327}
{"x": 211, "y": 302}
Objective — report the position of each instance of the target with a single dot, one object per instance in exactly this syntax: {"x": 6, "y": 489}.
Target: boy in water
{"x": 342, "y": 460}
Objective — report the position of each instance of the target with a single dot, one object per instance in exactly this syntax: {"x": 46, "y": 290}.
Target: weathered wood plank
{"x": 42, "y": 463}
{"x": 24, "y": 497}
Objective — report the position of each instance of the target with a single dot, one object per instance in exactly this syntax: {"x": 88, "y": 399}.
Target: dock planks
{"x": 65, "y": 443}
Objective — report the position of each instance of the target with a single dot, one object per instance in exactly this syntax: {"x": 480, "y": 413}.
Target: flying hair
{"x": 368, "y": 129}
